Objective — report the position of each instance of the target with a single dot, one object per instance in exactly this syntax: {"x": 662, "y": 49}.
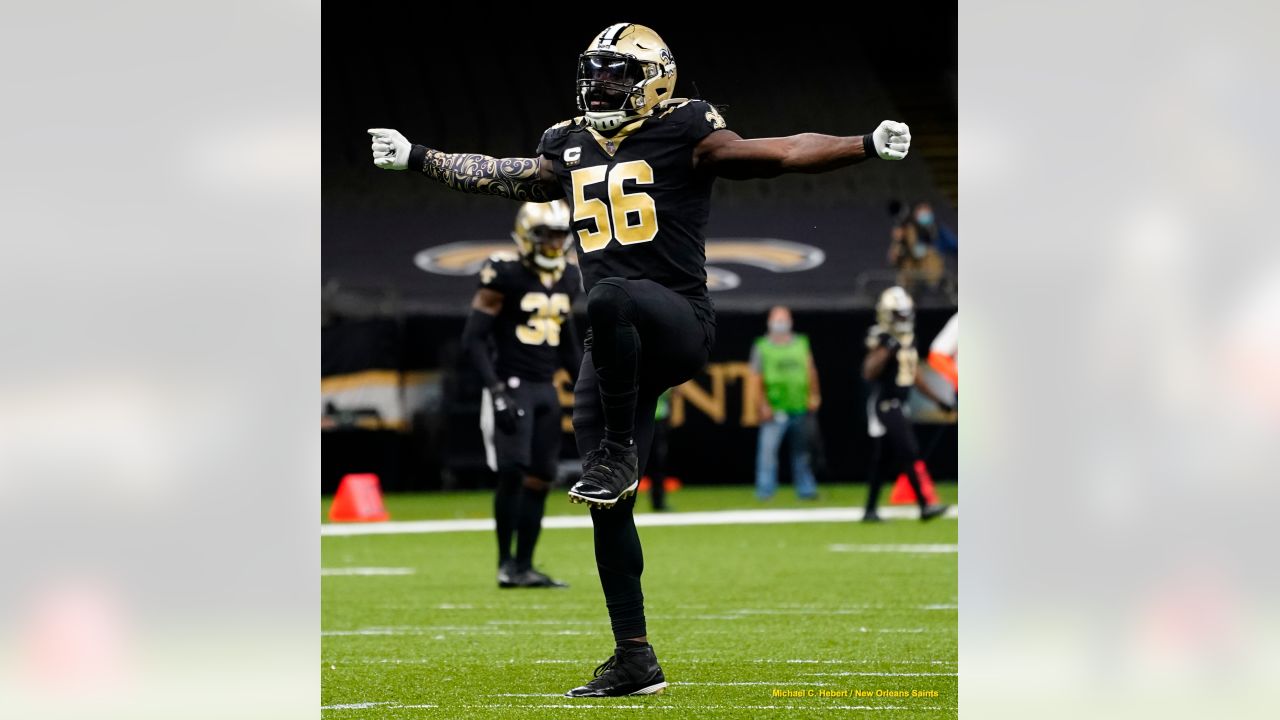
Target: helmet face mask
{"x": 623, "y": 75}
{"x": 607, "y": 82}
{"x": 549, "y": 246}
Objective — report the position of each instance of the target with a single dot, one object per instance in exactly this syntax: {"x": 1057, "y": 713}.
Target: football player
{"x": 523, "y": 308}
{"x": 892, "y": 369}
{"x": 637, "y": 167}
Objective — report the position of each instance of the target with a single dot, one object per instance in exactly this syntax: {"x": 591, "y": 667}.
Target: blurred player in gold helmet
{"x": 542, "y": 234}
{"x": 892, "y": 368}
{"x": 523, "y": 310}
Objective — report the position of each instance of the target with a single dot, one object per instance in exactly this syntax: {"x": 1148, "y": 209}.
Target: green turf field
{"x": 735, "y": 612}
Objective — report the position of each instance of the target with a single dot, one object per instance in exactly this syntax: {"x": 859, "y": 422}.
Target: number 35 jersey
{"x": 535, "y": 306}
{"x": 639, "y": 207}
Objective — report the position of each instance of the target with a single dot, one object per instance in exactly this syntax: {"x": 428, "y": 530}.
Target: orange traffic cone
{"x": 359, "y": 499}
{"x": 904, "y": 495}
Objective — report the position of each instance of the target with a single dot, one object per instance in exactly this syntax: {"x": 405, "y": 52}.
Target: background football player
{"x": 638, "y": 166}
{"x": 892, "y": 367}
{"x": 523, "y": 309}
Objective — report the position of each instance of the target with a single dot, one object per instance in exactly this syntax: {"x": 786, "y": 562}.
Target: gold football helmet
{"x": 542, "y": 233}
{"x": 896, "y": 312}
{"x": 625, "y": 72}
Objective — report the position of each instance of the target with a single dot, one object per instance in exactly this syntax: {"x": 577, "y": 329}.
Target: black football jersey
{"x": 535, "y": 306}
{"x": 899, "y": 373}
{"x": 639, "y": 207}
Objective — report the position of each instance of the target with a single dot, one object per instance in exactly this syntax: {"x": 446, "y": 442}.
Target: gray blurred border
{"x": 159, "y": 453}
{"x": 1122, "y": 300}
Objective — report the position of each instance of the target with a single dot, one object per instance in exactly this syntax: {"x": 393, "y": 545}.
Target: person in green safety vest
{"x": 786, "y": 386}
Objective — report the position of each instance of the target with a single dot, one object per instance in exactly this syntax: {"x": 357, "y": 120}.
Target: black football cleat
{"x": 610, "y": 473}
{"x": 506, "y": 574}
{"x": 633, "y": 670}
{"x": 872, "y": 517}
{"x": 533, "y": 579}
{"x": 933, "y": 511}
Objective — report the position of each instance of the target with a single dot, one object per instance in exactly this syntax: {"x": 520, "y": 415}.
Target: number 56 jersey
{"x": 536, "y": 304}
{"x": 639, "y": 207}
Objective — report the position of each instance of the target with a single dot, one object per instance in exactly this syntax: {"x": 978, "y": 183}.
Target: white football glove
{"x": 391, "y": 149}
{"x": 892, "y": 140}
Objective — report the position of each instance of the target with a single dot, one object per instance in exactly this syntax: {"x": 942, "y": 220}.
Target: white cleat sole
{"x": 596, "y": 504}
{"x": 652, "y": 689}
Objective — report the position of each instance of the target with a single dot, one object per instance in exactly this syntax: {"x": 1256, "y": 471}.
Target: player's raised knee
{"x": 609, "y": 298}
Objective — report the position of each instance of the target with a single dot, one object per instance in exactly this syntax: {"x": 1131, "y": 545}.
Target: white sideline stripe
{"x": 562, "y": 522}
{"x": 367, "y": 705}
{"x": 441, "y": 631}
{"x": 883, "y": 674}
{"x": 588, "y": 661}
{"x": 328, "y": 572}
{"x": 917, "y": 548}
{"x": 610, "y": 706}
{"x": 786, "y": 683}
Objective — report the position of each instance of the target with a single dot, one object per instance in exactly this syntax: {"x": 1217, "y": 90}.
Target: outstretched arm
{"x": 524, "y": 179}
{"x": 729, "y": 155}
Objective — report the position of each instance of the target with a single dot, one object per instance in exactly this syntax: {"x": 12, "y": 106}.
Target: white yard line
{"x": 341, "y": 571}
{"x": 367, "y": 705}
{"x": 816, "y": 705}
{"x": 882, "y": 674}
{"x": 590, "y": 661}
{"x": 561, "y": 522}
{"x": 917, "y": 548}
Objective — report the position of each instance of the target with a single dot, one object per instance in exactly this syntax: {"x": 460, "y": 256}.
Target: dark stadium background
{"x": 487, "y": 79}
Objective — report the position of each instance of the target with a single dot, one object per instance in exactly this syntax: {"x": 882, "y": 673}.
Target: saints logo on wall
{"x": 779, "y": 256}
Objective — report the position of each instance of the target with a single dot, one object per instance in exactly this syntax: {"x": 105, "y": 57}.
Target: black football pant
{"x": 893, "y": 454}
{"x": 644, "y": 338}
{"x": 532, "y": 448}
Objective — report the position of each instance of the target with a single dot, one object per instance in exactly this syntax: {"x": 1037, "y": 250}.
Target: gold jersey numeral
{"x": 615, "y": 222}
{"x": 546, "y": 314}
{"x": 908, "y": 360}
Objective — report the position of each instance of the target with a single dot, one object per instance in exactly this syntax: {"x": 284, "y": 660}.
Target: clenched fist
{"x": 892, "y": 140}
{"x": 391, "y": 149}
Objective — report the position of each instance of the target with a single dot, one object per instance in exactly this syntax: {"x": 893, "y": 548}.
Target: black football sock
{"x": 620, "y": 561}
{"x": 506, "y": 506}
{"x": 532, "y": 504}
{"x": 615, "y": 348}
{"x": 873, "y": 491}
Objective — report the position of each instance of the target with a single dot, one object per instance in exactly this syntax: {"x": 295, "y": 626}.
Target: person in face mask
{"x": 914, "y": 247}
{"x": 785, "y": 383}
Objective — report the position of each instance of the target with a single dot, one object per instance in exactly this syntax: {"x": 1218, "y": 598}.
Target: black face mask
{"x": 606, "y": 81}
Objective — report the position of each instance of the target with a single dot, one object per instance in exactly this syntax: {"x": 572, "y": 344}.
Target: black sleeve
{"x": 475, "y": 343}
{"x": 548, "y": 144}
{"x": 701, "y": 119}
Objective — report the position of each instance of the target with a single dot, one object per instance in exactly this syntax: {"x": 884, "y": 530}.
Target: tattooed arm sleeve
{"x": 524, "y": 179}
